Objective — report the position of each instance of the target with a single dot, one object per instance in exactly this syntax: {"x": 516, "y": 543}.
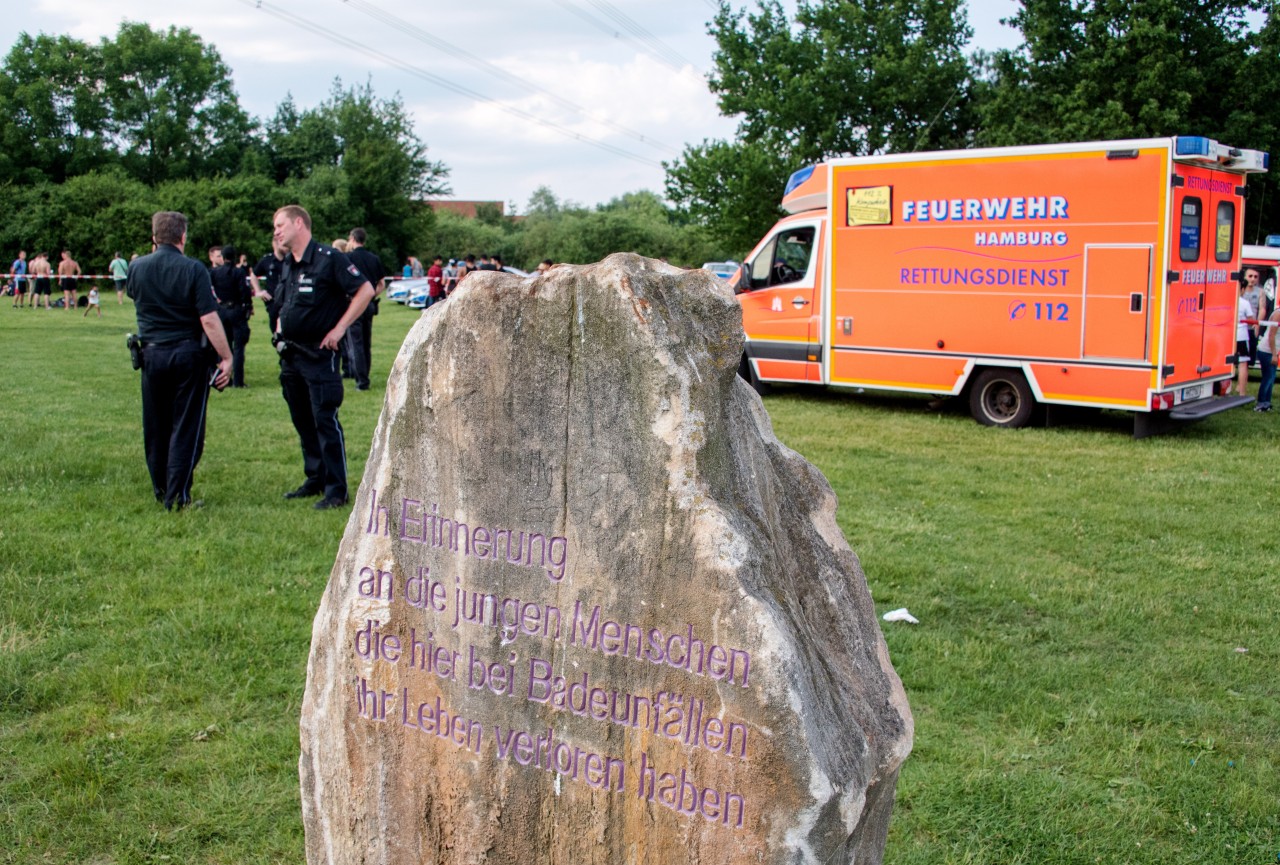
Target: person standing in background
{"x": 42, "y": 274}
{"x": 435, "y": 282}
{"x": 235, "y": 305}
{"x": 1244, "y": 312}
{"x": 450, "y": 275}
{"x": 268, "y": 269}
{"x": 19, "y": 271}
{"x": 119, "y": 270}
{"x": 1267, "y": 343}
{"x": 360, "y": 336}
{"x": 68, "y": 271}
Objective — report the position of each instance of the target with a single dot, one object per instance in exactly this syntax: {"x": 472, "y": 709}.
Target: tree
{"x": 845, "y": 77}
{"x": 489, "y": 213}
{"x": 1254, "y": 121}
{"x": 222, "y": 210}
{"x": 1112, "y": 69}
{"x": 542, "y": 202}
{"x": 55, "y": 118}
{"x": 371, "y": 141}
{"x": 173, "y": 108}
{"x": 733, "y": 188}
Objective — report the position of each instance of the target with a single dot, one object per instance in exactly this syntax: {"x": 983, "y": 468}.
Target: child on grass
{"x": 93, "y": 302}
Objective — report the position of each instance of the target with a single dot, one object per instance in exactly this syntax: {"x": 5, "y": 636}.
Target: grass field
{"x": 1094, "y": 675}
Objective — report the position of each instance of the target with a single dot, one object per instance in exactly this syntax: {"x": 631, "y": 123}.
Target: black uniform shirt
{"x": 230, "y": 286}
{"x": 368, "y": 264}
{"x": 315, "y": 292}
{"x": 170, "y": 293}
{"x": 268, "y": 270}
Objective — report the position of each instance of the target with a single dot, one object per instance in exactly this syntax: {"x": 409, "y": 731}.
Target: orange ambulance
{"x": 1100, "y": 274}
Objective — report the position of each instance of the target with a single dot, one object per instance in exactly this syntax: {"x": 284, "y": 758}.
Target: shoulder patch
{"x": 351, "y": 269}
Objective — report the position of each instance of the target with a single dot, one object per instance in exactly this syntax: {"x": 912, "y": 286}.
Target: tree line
{"x": 858, "y": 77}
{"x": 99, "y": 136}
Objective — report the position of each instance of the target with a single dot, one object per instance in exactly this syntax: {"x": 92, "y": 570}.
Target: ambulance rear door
{"x": 1202, "y": 295}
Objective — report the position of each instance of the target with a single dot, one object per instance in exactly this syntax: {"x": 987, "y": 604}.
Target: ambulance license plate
{"x": 1190, "y": 393}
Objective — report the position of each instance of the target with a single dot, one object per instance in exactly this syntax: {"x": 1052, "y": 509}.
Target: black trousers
{"x": 175, "y": 395}
{"x": 312, "y": 389}
{"x": 357, "y": 344}
{"x": 236, "y": 324}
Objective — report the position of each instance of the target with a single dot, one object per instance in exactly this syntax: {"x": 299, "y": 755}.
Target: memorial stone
{"x": 587, "y": 608}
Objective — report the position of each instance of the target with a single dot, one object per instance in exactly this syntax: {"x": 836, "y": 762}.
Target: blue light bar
{"x": 1193, "y": 145}
{"x": 1273, "y": 240}
{"x": 798, "y": 178}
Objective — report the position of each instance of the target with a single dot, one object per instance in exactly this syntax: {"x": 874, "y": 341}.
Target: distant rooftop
{"x": 464, "y": 208}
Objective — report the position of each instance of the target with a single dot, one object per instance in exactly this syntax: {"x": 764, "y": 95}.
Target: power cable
{"x": 640, "y": 32}
{"x": 609, "y": 29}
{"x": 480, "y": 63}
{"x": 347, "y": 42}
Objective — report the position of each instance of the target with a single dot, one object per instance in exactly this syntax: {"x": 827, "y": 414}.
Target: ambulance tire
{"x": 749, "y": 376}
{"x": 1001, "y": 397}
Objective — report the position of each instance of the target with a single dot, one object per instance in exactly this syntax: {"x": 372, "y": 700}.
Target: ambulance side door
{"x": 779, "y": 285}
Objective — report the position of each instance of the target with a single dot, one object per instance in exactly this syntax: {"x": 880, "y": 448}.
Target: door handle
{"x": 799, "y": 302}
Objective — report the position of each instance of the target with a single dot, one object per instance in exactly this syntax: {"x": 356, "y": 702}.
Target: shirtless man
{"x": 41, "y": 273}
{"x": 68, "y": 270}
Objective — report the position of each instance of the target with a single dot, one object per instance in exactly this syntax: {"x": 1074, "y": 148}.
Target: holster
{"x": 134, "y": 343}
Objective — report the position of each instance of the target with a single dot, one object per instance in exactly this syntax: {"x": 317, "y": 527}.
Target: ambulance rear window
{"x": 1189, "y": 229}
{"x": 1225, "y": 231}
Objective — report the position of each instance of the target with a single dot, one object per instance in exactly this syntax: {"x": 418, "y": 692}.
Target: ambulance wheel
{"x": 1001, "y": 397}
{"x": 749, "y": 376}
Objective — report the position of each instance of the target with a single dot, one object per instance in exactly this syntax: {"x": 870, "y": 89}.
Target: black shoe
{"x": 303, "y": 492}
{"x": 328, "y": 503}
{"x": 362, "y": 387}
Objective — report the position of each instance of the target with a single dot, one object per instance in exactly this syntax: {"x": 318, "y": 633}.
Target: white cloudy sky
{"x": 619, "y": 85}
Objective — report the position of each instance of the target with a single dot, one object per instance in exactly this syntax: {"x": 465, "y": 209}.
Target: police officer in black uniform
{"x": 177, "y": 323}
{"x": 321, "y": 294}
{"x": 268, "y": 271}
{"x": 360, "y": 336}
{"x": 235, "y": 305}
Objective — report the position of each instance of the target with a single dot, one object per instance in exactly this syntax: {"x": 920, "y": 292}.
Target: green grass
{"x": 1075, "y": 678}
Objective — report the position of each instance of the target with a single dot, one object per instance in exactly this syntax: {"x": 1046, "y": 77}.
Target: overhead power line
{"x": 655, "y": 49}
{"x": 346, "y": 41}
{"x": 640, "y": 32}
{"x": 496, "y": 71}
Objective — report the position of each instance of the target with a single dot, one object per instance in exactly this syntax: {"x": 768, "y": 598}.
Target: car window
{"x": 791, "y": 262}
{"x": 785, "y": 258}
